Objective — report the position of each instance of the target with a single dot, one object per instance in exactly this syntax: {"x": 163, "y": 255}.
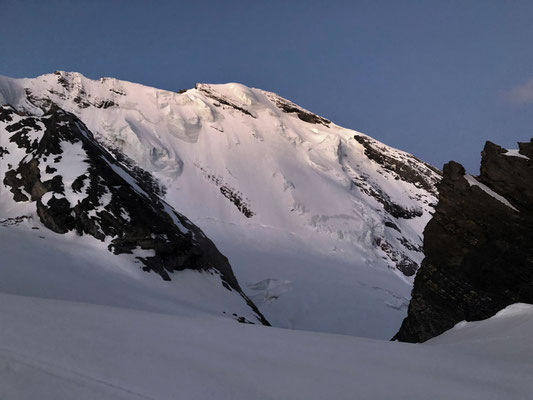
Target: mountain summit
{"x": 322, "y": 225}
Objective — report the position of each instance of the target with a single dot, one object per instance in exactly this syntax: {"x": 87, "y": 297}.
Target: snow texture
{"x": 515, "y": 153}
{"x": 286, "y": 195}
{"x": 86, "y": 351}
{"x": 70, "y": 265}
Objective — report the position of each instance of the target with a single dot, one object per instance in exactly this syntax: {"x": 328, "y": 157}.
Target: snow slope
{"x": 505, "y": 337}
{"x": 38, "y": 262}
{"x": 75, "y": 225}
{"x": 86, "y": 351}
{"x": 321, "y": 224}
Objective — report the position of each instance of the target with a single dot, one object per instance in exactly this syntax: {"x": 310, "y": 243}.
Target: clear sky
{"x": 435, "y": 78}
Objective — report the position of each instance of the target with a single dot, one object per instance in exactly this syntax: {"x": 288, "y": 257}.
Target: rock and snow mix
{"x": 323, "y": 226}
{"x": 474, "y": 182}
{"x": 57, "y": 178}
{"x": 285, "y": 194}
{"x": 478, "y": 245}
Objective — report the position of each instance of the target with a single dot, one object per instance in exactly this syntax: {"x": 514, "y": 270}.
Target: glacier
{"x": 285, "y": 194}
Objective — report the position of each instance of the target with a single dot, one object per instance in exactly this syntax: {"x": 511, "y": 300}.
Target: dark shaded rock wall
{"x": 479, "y": 251}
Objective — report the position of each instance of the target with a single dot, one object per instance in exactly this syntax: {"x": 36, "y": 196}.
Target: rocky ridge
{"x": 478, "y": 245}
{"x": 53, "y": 162}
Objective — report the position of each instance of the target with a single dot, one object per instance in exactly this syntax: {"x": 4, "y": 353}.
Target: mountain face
{"x": 54, "y": 168}
{"x": 479, "y": 245}
{"x": 314, "y": 218}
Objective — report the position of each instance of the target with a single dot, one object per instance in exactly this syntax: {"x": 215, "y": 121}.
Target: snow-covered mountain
{"x": 98, "y": 217}
{"x": 110, "y": 285}
{"x": 322, "y": 225}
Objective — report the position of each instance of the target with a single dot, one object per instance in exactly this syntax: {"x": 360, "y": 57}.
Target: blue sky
{"x": 435, "y": 78}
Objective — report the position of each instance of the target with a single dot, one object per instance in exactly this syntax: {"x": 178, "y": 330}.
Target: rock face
{"x": 54, "y": 162}
{"x": 478, "y": 246}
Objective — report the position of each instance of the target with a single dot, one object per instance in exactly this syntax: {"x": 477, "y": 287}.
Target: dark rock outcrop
{"x": 77, "y": 185}
{"x": 478, "y": 245}
{"x": 409, "y": 170}
{"x": 302, "y": 114}
{"x": 231, "y": 194}
{"x": 206, "y": 89}
{"x": 290, "y": 108}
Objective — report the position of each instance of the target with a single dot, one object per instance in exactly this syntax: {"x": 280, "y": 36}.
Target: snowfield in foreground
{"x": 53, "y": 349}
